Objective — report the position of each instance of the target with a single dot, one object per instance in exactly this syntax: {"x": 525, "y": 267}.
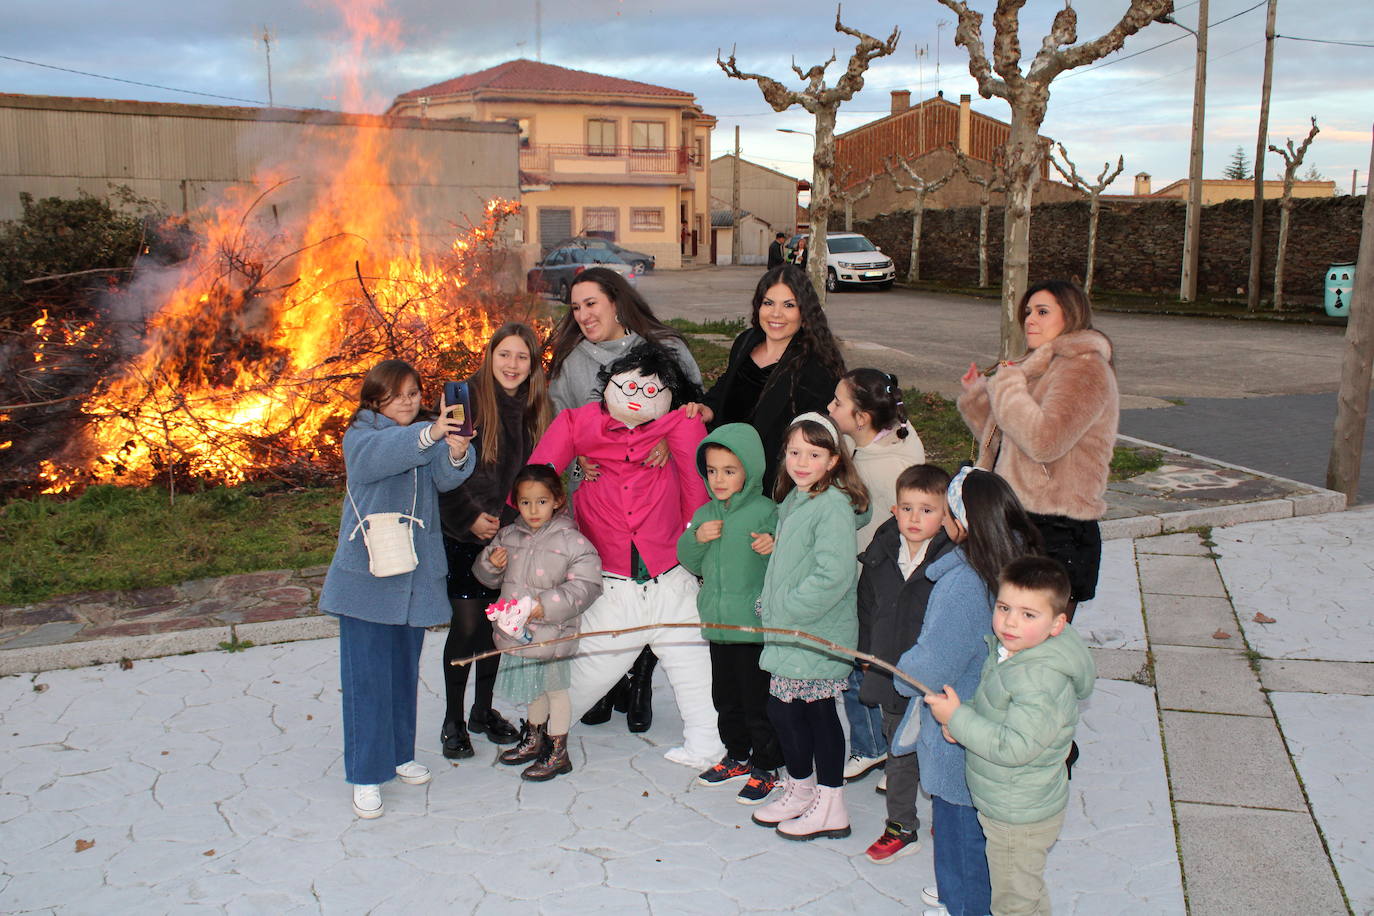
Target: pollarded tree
{"x": 994, "y": 182}
{"x": 922, "y": 187}
{"x": 1028, "y": 94}
{"x": 1292, "y": 158}
{"x": 849, "y": 193}
{"x": 823, "y": 102}
{"x": 1094, "y": 192}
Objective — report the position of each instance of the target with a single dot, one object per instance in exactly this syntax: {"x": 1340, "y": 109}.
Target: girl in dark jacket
{"x": 784, "y": 364}
{"x": 511, "y": 408}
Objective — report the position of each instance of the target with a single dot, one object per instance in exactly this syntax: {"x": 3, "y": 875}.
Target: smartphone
{"x": 457, "y": 393}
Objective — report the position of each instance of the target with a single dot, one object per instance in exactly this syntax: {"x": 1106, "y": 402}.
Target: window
{"x": 648, "y": 135}
{"x": 600, "y": 222}
{"x": 524, "y": 125}
{"x": 646, "y": 219}
{"x": 699, "y": 151}
{"x": 601, "y": 137}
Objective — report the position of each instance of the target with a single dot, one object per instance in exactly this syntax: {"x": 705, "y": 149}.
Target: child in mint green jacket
{"x": 1017, "y": 729}
{"x": 727, "y": 544}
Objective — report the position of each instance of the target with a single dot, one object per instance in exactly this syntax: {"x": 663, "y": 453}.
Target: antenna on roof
{"x": 267, "y": 45}
{"x": 539, "y": 30}
{"x": 939, "y": 33}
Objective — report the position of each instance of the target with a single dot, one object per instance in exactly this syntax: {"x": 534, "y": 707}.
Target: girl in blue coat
{"x": 394, "y": 465}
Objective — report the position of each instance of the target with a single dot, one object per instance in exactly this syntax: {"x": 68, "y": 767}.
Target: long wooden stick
{"x": 834, "y": 647}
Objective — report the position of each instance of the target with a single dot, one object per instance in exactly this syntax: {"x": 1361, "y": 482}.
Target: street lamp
{"x": 788, "y": 130}
{"x": 1187, "y": 287}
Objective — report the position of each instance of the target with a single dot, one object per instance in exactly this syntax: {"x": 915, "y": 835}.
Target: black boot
{"x": 1072, "y": 758}
{"x": 494, "y": 725}
{"x": 641, "y": 712}
{"x": 454, "y": 737}
{"x": 615, "y": 699}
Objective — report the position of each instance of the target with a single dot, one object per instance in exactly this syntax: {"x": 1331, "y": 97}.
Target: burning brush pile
{"x": 242, "y": 362}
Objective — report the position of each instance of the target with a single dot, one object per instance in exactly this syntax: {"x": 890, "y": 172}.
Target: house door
{"x": 555, "y": 225}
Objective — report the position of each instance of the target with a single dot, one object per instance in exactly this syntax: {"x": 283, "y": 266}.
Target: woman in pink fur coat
{"x": 1047, "y": 424}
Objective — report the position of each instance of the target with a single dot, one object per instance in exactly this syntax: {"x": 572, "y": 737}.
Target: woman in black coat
{"x": 785, "y": 363}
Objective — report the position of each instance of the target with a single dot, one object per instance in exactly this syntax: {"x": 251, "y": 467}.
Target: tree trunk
{"x": 1352, "y": 402}
{"x": 913, "y": 273}
{"x": 983, "y": 244}
{"x": 1093, "y": 207}
{"x": 1022, "y": 175}
{"x": 823, "y": 167}
{"x": 1284, "y": 207}
{"x": 848, "y": 214}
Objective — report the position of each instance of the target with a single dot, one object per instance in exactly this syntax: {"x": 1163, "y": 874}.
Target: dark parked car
{"x": 641, "y": 262}
{"x": 558, "y": 271}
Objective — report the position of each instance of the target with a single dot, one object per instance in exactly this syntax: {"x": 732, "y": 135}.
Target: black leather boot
{"x": 641, "y": 712}
{"x": 494, "y": 725}
{"x": 454, "y": 737}
{"x": 617, "y": 698}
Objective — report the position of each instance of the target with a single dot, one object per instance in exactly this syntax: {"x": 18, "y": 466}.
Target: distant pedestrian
{"x": 1017, "y": 728}
{"x": 799, "y": 253}
{"x": 1047, "y": 423}
{"x": 776, "y": 255}
{"x": 385, "y": 598}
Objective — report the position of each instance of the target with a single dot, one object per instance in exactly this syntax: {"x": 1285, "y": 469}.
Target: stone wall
{"x": 1139, "y": 244}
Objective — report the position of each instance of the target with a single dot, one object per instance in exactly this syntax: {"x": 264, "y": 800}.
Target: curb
{"x": 1317, "y": 501}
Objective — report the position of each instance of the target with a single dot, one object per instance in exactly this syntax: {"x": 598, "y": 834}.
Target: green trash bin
{"x": 1340, "y": 279}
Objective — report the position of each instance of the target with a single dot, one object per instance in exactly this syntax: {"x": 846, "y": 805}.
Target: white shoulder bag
{"x": 389, "y": 537}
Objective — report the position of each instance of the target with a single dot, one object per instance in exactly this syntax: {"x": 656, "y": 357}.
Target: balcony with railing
{"x": 578, "y": 158}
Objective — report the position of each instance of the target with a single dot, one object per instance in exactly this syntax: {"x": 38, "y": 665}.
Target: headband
{"x": 822, "y": 420}
{"x": 954, "y": 496}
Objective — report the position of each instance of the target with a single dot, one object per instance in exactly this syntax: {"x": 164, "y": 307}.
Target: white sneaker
{"x": 930, "y": 896}
{"x": 412, "y": 773}
{"x": 367, "y": 801}
{"x": 937, "y": 911}
{"x": 858, "y": 766}
{"x": 882, "y": 783}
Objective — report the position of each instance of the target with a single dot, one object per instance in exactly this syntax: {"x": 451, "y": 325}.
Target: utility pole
{"x": 1192, "y": 228}
{"x": 1261, "y": 147}
{"x": 736, "y": 234}
{"x": 267, "y": 45}
{"x": 1352, "y": 401}
{"x": 539, "y": 30}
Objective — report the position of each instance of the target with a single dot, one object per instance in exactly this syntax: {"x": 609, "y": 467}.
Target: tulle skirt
{"x": 521, "y": 680}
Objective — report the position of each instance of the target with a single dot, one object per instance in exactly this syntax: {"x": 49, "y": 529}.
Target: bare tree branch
{"x": 1292, "y": 158}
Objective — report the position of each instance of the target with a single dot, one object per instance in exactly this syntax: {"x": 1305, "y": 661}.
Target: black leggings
{"x": 468, "y": 634}
{"x": 810, "y": 732}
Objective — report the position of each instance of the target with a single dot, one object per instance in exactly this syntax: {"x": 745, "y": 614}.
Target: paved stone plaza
{"x": 212, "y": 781}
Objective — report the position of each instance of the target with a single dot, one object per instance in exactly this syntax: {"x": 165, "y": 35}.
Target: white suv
{"x": 854, "y": 259}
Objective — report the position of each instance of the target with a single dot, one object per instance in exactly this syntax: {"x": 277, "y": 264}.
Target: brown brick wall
{"x": 1139, "y": 244}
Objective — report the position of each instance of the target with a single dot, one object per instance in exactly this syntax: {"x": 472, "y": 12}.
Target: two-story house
{"x": 599, "y": 155}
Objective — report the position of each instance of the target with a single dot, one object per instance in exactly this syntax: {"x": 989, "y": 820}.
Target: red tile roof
{"x": 524, "y": 74}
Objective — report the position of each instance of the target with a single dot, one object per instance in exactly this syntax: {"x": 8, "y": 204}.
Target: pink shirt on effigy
{"x": 628, "y": 502}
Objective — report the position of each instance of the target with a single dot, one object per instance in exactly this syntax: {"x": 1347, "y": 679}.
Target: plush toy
{"x": 510, "y": 617}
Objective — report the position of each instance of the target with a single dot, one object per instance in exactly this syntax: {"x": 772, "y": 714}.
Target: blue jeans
{"x": 865, "y": 722}
{"x": 961, "y": 863}
{"x": 379, "y": 670}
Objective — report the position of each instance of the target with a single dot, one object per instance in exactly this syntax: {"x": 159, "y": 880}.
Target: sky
{"x": 1139, "y": 107}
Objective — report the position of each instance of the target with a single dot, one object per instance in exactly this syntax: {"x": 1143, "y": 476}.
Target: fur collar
{"x": 1087, "y": 342}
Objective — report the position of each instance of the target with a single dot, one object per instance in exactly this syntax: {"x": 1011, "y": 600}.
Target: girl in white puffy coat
{"x": 544, "y": 558}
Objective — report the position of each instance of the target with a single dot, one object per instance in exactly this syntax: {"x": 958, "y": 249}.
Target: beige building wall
{"x": 771, "y": 196}
{"x": 1216, "y": 190}
{"x": 562, "y": 174}
{"x": 186, "y": 156}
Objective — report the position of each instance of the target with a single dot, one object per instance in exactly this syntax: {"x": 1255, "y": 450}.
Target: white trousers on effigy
{"x": 682, "y": 655}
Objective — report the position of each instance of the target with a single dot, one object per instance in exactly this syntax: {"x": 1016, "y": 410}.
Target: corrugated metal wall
{"x": 185, "y": 156}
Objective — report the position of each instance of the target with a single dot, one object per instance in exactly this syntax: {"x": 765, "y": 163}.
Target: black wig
{"x": 649, "y": 358}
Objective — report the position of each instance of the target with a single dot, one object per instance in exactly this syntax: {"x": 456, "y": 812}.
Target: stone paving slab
{"x": 1310, "y": 622}
{"x": 1162, "y": 574}
{"x": 1207, "y": 680}
{"x": 1355, "y": 678}
{"x": 1333, "y": 748}
{"x": 1229, "y": 760}
{"x": 1181, "y": 620}
{"x": 1285, "y": 872}
{"x": 214, "y": 780}
{"x": 1112, "y": 620}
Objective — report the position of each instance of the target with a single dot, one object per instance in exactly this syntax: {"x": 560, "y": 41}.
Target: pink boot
{"x": 796, "y": 798}
{"x": 826, "y": 817}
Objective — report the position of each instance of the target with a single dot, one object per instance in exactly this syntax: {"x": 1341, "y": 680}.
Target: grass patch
{"x": 728, "y": 327}
{"x": 1129, "y": 461}
{"x": 936, "y": 420}
{"x": 124, "y": 538}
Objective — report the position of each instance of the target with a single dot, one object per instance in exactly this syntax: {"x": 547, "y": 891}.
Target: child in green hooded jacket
{"x": 727, "y": 545}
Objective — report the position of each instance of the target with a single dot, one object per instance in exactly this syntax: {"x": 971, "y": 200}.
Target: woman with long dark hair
{"x": 1047, "y": 423}
{"x": 511, "y": 409}
{"x": 784, "y": 364}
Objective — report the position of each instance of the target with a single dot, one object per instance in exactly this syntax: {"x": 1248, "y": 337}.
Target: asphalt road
{"x": 1259, "y": 394}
